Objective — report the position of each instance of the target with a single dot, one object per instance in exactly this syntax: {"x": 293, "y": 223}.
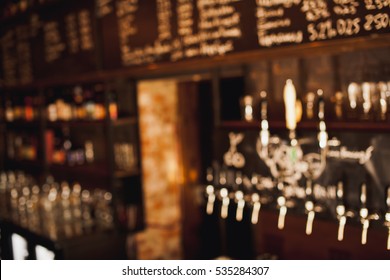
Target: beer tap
{"x": 364, "y": 214}
{"x": 248, "y": 108}
{"x": 383, "y": 100}
{"x": 309, "y": 207}
{"x": 264, "y": 132}
{"x": 322, "y": 135}
{"x": 210, "y": 192}
{"x": 224, "y": 195}
{"x": 282, "y": 205}
{"x": 256, "y": 208}
{"x": 225, "y": 203}
{"x": 239, "y": 197}
{"x": 340, "y": 210}
{"x": 387, "y": 218}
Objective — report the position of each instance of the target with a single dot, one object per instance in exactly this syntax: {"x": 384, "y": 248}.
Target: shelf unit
{"x": 103, "y": 173}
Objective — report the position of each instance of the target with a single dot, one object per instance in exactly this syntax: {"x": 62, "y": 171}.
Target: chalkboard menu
{"x": 64, "y": 41}
{"x": 15, "y": 54}
{"x": 63, "y": 38}
{"x": 50, "y": 42}
{"x": 140, "y": 32}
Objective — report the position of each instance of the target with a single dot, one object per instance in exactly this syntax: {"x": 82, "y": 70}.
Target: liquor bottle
{"x": 78, "y": 100}
{"x": 100, "y": 111}
{"x": 9, "y": 112}
{"x": 28, "y": 109}
{"x": 67, "y": 145}
{"x": 89, "y": 104}
{"x": 18, "y": 109}
{"x": 59, "y": 155}
{"x": 113, "y": 107}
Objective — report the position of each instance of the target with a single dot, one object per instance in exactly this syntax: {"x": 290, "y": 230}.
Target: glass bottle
{"x": 9, "y": 112}
{"x": 113, "y": 107}
{"x": 28, "y": 109}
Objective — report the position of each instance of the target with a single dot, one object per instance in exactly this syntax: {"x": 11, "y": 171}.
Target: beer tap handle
{"x": 366, "y": 225}
{"x": 225, "y": 203}
{"x": 210, "y": 191}
{"x": 210, "y": 199}
{"x": 264, "y": 132}
{"x": 340, "y": 210}
{"x": 239, "y": 195}
{"x": 282, "y": 211}
{"x": 340, "y": 232}
{"x": 256, "y": 208}
{"x": 309, "y": 207}
{"x": 364, "y": 214}
{"x": 322, "y": 135}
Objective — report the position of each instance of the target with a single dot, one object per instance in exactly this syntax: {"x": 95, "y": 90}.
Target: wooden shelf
{"x": 95, "y": 170}
{"x": 124, "y": 174}
{"x": 22, "y": 124}
{"x": 75, "y": 123}
{"x": 81, "y": 123}
{"x": 23, "y": 164}
{"x": 345, "y": 126}
{"x": 124, "y": 121}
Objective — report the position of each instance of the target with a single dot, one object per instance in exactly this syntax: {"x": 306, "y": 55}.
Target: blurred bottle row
{"x": 76, "y": 103}
{"x": 54, "y": 209}
{"x": 367, "y": 101}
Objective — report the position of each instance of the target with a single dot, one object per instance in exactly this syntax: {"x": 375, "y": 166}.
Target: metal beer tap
{"x": 210, "y": 192}
{"x": 264, "y": 132}
{"x": 309, "y": 207}
{"x": 282, "y": 206}
{"x": 224, "y": 195}
{"x": 364, "y": 214}
{"x": 256, "y": 208}
{"x": 239, "y": 197}
{"x": 225, "y": 203}
{"x": 340, "y": 210}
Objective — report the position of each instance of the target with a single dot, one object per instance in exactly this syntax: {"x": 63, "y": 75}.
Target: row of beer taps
{"x": 289, "y": 166}
{"x": 253, "y": 194}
